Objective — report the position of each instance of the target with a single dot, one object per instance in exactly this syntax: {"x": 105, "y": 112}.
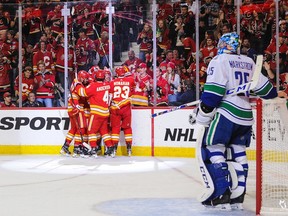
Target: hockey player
{"x": 228, "y": 121}
{"x": 121, "y": 90}
{"x": 98, "y": 95}
{"x": 77, "y": 117}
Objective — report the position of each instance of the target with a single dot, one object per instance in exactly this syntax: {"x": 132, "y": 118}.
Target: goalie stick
{"x": 175, "y": 108}
{"x": 246, "y": 87}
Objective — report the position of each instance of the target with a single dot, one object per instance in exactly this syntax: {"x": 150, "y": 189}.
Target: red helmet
{"x": 82, "y": 75}
{"x": 126, "y": 68}
{"x": 93, "y": 69}
{"x": 99, "y": 75}
{"x": 120, "y": 71}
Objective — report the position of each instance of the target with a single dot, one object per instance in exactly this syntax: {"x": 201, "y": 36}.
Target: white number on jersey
{"x": 122, "y": 92}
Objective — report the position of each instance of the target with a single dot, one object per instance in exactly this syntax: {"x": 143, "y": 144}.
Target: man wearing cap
{"x": 143, "y": 86}
{"x": 7, "y": 100}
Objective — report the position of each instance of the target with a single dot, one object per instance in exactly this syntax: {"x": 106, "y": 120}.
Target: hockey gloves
{"x": 204, "y": 115}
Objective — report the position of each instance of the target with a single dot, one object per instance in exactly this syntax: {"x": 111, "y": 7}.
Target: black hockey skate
{"x": 115, "y": 149}
{"x": 110, "y": 151}
{"x": 237, "y": 203}
{"x": 77, "y": 151}
{"x": 85, "y": 152}
{"x": 222, "y": 202}
{"x": 129, "y": 150}
{"x": 65, "y": 150}
{"x": 93, "y": 152}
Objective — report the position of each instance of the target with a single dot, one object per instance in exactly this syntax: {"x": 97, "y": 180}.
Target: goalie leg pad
{"x": 221, "y": 178}
{"x": 217, "y": 169}
{"x": 238, "y": 155}
{"x": 237, "y": 179}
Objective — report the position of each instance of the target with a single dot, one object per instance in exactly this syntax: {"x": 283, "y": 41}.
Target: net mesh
{"x": 274, "y": 156}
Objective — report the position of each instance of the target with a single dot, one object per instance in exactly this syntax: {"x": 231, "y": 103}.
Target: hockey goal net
{"x": 272, "y": 157}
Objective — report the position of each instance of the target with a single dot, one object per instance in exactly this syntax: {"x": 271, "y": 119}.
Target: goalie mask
{"x": 228, "y": 43}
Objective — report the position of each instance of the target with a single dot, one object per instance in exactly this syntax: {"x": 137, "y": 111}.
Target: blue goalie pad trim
{"x": 221, "y": 178}
{"x": 243, "y": 184}
{"x": 239, "y": 154}
{"x": 212, "y": 154}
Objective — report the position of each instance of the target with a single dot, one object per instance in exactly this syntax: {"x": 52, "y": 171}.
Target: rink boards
{"x": 43, "y": 131}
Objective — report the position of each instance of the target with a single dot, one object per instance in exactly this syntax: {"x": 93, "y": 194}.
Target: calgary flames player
{"x": 121, "y": 90}
{"x": 78, "y": 119}
{"x": 98, "y": 96}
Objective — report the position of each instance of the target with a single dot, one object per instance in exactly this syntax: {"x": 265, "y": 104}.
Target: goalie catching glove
{"x": 204, "y": 114}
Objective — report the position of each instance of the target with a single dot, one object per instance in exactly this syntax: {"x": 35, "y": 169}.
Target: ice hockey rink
{"x": 40, "y": 185}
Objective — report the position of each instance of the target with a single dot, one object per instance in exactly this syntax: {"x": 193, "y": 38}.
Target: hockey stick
{"x": 206, "y": 178}
{"x": 234, "y": 91}
{"x": 175, "y": 108}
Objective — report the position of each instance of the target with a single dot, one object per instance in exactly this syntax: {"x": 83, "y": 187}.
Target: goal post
{"x": 272, "y": 157}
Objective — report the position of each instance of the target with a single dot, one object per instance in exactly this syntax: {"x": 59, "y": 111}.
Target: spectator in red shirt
{"x": 45, "y": 81}
{"x": 162, "y": 36}
{"x": 132, "y": 62}
{"x": 87, "y": 21}
{"x": 7, "y": 100}
{"x": 84, "y": 48}
{"x": 162, "y": 90}
{"x": 144, "y": 39}
{"x": 43, "y": 55}
{"x": 33, "y": 19}
{"x": 165, "y": 10}
{"x": 5, "y": 68}
{"x": 102, "y": 48}
{"x": 189, "y": 45}
{"x": 28, "y": 83}
{"x": 55, "y": 20}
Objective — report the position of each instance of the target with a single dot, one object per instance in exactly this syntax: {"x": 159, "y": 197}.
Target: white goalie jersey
{"x": 228, "y": 71}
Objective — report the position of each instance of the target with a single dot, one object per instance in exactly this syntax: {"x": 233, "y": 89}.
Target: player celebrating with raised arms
{"x": 226, "y": 121}
{"x": 121, "y": 90}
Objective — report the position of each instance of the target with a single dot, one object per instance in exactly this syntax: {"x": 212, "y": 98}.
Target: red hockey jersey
{"x": 98, "y": 97}
{"x": 121, "y": 90}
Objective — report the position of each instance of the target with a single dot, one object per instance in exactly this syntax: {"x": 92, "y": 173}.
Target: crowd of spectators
{"x": 175, "y": 36}
{"x": 43, "y": 44}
